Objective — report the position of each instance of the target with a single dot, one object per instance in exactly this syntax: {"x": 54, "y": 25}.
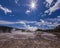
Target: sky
{"x": 30, "y": 14}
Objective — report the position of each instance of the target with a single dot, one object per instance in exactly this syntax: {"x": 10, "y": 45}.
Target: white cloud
{"x": 49, "y": 2}
{"x": 21, "y": 22}
{"x": 45, "y": 23}
{"x": 42, "y": 20}
{"x": 58, "y": 16}
{"x": 53, "y": 8}
{"x": 6, "y": 22}
{"x": 57, "y": 19}
{"x": 6, "y": 10}
{"x": 31, "y": 28}
{"x": 49, "y": 22}
{"x": 25, "y": 21}
{"x": 17, "y": 22}
{"x": 28, "y": 11}
{"x": 28, "y": 27}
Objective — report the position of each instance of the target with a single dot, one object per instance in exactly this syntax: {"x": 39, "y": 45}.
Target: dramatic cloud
{"x": 6, "y": 10}
{"x": 53, "y": 8}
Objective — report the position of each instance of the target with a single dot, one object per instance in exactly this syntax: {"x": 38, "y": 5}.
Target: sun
{"x": 33, "y": 5}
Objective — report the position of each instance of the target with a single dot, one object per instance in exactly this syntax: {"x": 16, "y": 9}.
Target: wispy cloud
{"x": 6, "y": 22}
{"x": 24, "y": 23}
{"x": 49, "y": 23}
{"x": 43, "y": 24}
{"x": 49, "y": 2}
{"x": 16, "y": 1}
{"x": 17, "y": 22}
{"x": 53, "y": 8}
{"x": 6, "y": 10}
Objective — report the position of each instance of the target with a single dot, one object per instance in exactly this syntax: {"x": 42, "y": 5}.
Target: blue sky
{"x": 43, "y": 14}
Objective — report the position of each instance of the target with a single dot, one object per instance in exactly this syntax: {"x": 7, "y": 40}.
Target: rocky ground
{"x": 44, "y": 40}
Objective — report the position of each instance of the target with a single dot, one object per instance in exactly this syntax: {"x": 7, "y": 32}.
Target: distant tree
{"x": 57, "y": 29}
{"x": 5, "y": 29}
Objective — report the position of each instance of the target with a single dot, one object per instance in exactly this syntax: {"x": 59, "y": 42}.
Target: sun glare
{"x": 33, "y": 5}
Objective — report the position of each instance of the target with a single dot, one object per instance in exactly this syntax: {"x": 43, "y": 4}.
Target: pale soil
{"x": 37, "y": 42}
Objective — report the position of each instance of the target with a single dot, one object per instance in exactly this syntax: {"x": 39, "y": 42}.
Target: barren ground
{"x": 36, "y": 42}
